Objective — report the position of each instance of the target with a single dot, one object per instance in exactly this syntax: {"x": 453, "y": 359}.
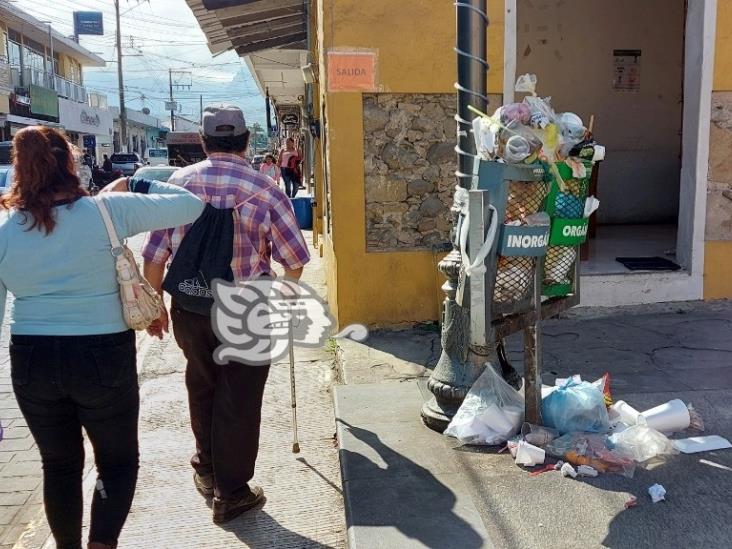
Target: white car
{"x": 156, "y": 173}
{"x": 157, "y": 157}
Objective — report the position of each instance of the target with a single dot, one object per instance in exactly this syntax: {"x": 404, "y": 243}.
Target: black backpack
{"x": 204, "y": 255}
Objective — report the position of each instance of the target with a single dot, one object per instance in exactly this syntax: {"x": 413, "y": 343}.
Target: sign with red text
{"x": 351, "y": 71}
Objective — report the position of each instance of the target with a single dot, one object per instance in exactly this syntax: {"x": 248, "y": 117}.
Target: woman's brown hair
{"x": 44, "y": 172}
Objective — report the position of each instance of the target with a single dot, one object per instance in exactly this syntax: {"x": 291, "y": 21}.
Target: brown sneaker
{"x": 204, "y": 485}
{"x": 225, "y": 510}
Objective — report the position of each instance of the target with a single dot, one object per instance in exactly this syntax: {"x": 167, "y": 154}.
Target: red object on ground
{"x": 632, "y": 502}
{"x": 545, "y": 469}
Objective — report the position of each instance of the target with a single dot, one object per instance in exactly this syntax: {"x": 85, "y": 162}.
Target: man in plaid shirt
{"x": 225, "y": 401}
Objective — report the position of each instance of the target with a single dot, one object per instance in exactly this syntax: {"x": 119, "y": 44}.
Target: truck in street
{"x": 184, "y": 148}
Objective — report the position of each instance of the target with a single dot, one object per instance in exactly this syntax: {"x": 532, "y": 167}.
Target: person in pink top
{"x": 269, "y": 168}
{"x": 288, "y": 161}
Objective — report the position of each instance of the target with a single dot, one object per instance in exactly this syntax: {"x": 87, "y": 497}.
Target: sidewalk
{"x": 406, "y": 486}
{"x": 20, "y": 463}
{"x": 304, "y": 507}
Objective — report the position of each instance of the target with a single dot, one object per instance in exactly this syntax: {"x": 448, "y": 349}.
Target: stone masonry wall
{"x": 719, "y": 191}
{"x": 410, "y": 162}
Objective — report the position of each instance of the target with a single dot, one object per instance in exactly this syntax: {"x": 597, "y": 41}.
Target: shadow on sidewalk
{"x": 258, "y": 529}
{"x": 401, "y": 496}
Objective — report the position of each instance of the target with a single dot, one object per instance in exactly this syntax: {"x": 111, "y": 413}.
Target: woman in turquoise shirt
{"x": 72, "y": 355}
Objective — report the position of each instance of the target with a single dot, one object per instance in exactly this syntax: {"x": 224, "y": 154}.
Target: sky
{"x": 157, "y": 35}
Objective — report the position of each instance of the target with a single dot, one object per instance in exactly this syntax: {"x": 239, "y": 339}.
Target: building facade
{"x": 377, "y": 101}
{"x": 143, "y": 132}
{"x": 41, "y": 80}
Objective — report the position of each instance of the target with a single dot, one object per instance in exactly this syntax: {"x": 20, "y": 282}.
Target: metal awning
{"x": 248, "y": 26}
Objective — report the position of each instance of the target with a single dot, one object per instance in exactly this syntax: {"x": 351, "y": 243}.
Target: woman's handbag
{"x": 141, "y": 304}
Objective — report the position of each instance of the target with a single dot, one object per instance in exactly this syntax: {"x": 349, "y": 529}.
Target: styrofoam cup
{"x": 537, "y": 434}
{"x": 670, "y": 417}
{"x": 529, "y": 455}
{"x": 626, "y": 412}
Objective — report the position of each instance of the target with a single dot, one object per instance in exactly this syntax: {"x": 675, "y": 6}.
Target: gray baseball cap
{"x": 227, "y": 121}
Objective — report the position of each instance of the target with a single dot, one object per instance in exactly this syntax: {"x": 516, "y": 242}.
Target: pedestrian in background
{"x": 269, "y": 168}
{"x": 288, "y": 161}
{"x": 225, "y": 401}
{"x": 72, "y": 356}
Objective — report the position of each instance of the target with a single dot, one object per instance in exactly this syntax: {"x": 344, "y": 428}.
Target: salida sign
{"x": 351, "y": 71}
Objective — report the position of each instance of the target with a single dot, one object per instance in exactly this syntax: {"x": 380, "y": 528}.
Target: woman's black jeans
{"x": 64, "y": 383}
{"x": 292, "y": 185}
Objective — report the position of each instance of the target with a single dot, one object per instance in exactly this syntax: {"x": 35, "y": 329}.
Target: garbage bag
{"x": 526, "y": 83}
{"x": 491, "y": 413}
{"x": 641, "y": 443}
{"x": 576, "y": 407}
{"x": 590, "y": 449}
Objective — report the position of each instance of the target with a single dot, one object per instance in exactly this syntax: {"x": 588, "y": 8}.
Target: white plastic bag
{"x": 641, "y": 443}
{"x": 526, "y": 83}
{"x": 491, "y": 413}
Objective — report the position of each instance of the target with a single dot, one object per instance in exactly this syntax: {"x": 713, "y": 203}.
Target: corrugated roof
{"x": 248, "y": 26}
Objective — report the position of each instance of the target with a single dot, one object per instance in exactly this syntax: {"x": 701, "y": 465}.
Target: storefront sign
{"x": 626, "y": 70}
{"x": 88, "y": 22}
{"x": 90, "y": 141}
{"x": 90, "y": 119}
{"x": 43, "y": 101}
{"x": 80, "y": 117}
{"x": 351, "y": 71}
{"x": 291, "y": 120}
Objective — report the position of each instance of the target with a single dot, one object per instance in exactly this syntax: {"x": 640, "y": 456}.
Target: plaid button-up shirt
{"x": 265, "y": 228}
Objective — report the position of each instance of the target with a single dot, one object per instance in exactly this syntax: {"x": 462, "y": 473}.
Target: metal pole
{"x": 200, "y": 110}
{"x": 172, "y": 105}
{"x": 121, "y": 83}
{"x": 460, "y": 364}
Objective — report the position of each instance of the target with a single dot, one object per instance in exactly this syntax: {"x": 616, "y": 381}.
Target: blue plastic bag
{"x": 576, "y": 407}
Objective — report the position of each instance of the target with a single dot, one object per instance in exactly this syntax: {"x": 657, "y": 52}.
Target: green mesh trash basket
{"x": 565, "y": 204}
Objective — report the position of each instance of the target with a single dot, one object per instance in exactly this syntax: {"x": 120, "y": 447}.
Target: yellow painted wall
{"x": 718, "y": 254}
{"x": 717, "y": 269}
{"x": 414, "y": 41}
{"x": 723, "y": 47}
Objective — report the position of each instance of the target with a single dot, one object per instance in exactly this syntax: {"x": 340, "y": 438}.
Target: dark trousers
{"x": 292, "y": 185}
{"x": 64, "y": 383}
{"x": 225, "y": 403}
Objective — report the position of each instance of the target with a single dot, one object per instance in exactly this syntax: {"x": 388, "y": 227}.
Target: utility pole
{"x": 200, "y": 106}
{"x": 172, "y": 105}
{"x": 122, "y": 109}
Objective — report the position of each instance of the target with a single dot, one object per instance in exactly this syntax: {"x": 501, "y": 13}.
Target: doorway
{"x": 621, "y": 63}
{"x": 655, "y": 125}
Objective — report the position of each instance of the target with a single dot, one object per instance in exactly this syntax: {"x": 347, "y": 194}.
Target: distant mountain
{"x": 146, "y": 90}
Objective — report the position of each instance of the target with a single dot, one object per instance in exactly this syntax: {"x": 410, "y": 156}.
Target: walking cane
{"x": 293, "y": 396}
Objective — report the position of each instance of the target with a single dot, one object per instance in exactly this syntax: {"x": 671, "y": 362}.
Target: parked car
{"x": 257, "y": 161}
{"x": 127, "y": 163}
{"x": 156, "y": 157}
{"x": 158, "y": 173}
{"x": 6, "y": 177}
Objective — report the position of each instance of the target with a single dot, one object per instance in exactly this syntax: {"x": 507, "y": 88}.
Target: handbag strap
{"x": 117, "y": 247}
